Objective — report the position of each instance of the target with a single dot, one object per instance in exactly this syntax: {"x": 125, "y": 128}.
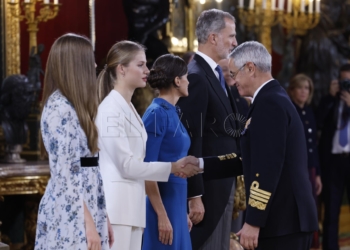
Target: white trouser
{"x": 127, "y": 237}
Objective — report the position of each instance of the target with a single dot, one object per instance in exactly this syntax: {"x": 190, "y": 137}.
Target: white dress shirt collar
{"x": 210, "y": 61}
{"x": 257, "y": 91}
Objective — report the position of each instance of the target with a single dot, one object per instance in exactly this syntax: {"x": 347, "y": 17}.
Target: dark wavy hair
{"x": 164, "y": 71}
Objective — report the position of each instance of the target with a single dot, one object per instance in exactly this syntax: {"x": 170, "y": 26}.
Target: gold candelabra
{"x": 296, "y": 20}
{"x": 47, "y": 11}
{"x": 261, "y": 19}
{"x": 261, "y": 15}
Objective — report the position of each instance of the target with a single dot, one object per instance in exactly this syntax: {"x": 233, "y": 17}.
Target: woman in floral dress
{"x": 72, "y": 213}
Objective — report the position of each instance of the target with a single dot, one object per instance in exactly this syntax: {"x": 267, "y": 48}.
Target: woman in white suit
{"x": 122, "y": 144}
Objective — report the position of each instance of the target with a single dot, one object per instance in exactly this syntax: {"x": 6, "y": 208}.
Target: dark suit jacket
{"x": 275, "y": 168}
{"x": 327, "y": 120}
{"x": 206, "y": 116}
{"x": 310, "y": 130}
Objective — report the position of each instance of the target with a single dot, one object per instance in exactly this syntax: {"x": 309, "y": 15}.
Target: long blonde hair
{"x": 70, "y": 68}
{"x": 121, "y": 53}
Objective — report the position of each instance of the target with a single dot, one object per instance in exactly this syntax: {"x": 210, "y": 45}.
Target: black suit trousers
{"x": 336, "y": 179}
{"x": 296, "y": 241}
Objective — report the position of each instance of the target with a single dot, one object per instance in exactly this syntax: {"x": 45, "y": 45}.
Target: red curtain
{"x": 73, "y": 16}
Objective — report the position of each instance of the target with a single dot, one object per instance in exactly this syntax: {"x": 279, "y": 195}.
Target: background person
{"x": 333, "y": 119}
{"x": 301, "y": 90}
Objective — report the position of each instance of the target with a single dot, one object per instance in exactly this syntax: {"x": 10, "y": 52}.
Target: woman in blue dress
{"x": 167, "y": 223}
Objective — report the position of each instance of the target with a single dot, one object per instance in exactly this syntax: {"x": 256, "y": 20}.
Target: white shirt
{"x": 257, "y": 91}
{"x": 212, "y": 65}
{"x": 337, "y": 148}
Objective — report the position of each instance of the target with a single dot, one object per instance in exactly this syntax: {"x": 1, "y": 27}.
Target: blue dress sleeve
{"x": 155, "y": 121}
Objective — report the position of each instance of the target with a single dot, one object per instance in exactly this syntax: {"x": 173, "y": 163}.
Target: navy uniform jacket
{"x": 241, "y": 103}
{"x": 275, "y": 169}
{"x": 310, "y": 129}
{"x": 206, "y": 116}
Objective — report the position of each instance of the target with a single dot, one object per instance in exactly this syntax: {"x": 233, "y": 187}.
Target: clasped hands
{"x": 186, "y": 167}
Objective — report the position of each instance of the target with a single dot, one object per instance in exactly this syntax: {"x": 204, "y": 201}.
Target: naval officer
{"x": 281, "y": 212}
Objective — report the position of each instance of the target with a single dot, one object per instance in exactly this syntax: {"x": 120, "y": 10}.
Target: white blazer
{"x": 122, "y": 143}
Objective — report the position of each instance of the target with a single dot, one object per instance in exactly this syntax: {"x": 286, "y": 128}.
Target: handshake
{"x": 186, "y": 167}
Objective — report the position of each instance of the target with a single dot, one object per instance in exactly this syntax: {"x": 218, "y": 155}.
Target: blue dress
{"x": 167, "y": 141}
{"x": 61, "y": 222}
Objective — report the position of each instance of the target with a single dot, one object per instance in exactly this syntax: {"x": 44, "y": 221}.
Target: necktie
{"x": 221, "y": 77}
{"x": 343, "y": 132}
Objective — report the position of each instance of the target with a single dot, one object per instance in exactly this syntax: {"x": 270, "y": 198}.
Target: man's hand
{"x": 189, "y": 224}
{"x": 345, "y": 96}
{"x": 186, "y": 167}
{"x": 334, "y": 87}
{"x": 196, "y": 208}
{"x": 249, "y": 236}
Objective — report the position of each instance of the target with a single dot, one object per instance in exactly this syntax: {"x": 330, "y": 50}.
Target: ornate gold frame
{"x": 12, "y": 42}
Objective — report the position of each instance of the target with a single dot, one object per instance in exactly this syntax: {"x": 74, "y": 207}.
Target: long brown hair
{"x": 296, "y": 81}
{"x": 121, "y": 53}
{"x": 70, "y": 68}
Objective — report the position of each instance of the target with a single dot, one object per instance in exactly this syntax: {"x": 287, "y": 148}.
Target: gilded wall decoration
{"x": 12, "y": 40}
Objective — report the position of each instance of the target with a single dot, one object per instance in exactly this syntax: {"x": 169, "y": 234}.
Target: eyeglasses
{"x": 233, "y": 75}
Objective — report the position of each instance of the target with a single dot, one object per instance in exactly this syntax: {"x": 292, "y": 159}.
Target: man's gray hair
{"x": 253, "y": 52}
{"x": 211, "y": 21}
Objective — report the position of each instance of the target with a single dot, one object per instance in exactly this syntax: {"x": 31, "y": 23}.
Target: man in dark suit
{"x": 281, "y": 212}
{"x": 209, "y": 115}
{"x": 333, "y": 118}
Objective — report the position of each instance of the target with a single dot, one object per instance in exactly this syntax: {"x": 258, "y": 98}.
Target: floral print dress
{"x": 61, "y": 211}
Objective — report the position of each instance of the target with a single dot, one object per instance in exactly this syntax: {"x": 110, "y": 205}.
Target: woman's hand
{"x": 318, "y": 185}
{"x": 110, "y": 233}
{"x": 93, "y": 239}
{"x": 189, "y": 223}
{"x": 165, "y": 230}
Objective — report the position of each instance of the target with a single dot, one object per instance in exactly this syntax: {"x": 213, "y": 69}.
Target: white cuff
{"x": 194, "y": 197}
{"x": 201, "y": 163}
